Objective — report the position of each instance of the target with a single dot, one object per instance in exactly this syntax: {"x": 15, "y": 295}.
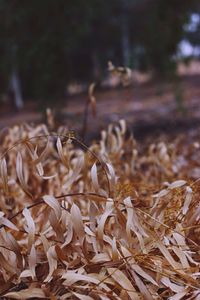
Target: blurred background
{"x": 51, "y": 51}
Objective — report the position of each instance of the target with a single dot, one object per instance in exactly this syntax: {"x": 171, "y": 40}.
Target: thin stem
{"x": 85, "y": 119}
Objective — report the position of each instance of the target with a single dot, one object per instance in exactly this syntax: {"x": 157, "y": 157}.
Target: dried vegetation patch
{"x": 104, "y": 222}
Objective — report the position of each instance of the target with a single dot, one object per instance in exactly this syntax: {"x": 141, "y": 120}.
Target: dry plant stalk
{"x": 104, "y": 222}
{"x": 90, "y": 102}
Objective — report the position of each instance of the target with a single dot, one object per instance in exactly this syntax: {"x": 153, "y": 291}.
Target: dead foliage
{"x": 104, "y": 222}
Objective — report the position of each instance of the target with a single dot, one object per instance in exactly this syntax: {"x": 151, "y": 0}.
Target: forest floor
{"x": 149, "y": 109}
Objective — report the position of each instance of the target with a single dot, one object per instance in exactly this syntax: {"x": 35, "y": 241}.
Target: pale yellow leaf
{"x": 82, "y": 297}
{"x": 102, "y": 221}
{"x": 177, "y": 184}
{"x": 4, "y": 175}
{"x": 77, "y": 222}
{"x": 142, "y": 287}
{"x": 75, "y": 173}
{"x": 4, "y": 221}
{"x": 52, "y": 260}
{"x": 26, "y": 294}
{"x": 43, "y": 154}
{"x": 72, "y": 277}
{"x": 178, "y": 296}
{"x": 61, "y": 153}
{"x": 32, "y": 261}
{"x": 188, "y": 199}
{"x": 124, "y": 282}
{"x": 30, "y": 228}
{"x": 94, "y": 178}
{"x": 54, "y": 204}
{"x": 20, "y": 175}
{"x": 173, "y": 287}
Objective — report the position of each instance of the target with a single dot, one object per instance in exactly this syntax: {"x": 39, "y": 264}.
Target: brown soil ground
{"x": 149, "y": 109}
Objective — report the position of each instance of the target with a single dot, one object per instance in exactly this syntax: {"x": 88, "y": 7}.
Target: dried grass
{"x": 105, "y": 222}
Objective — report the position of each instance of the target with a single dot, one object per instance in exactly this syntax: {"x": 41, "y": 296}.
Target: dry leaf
{"x": 26, "y": 294}
{"x": 20, "y": 175}
{"x": 124, "y": 282}
{"x": 54, "y": 204}
{"x": 77, "y": 222}
{"x": 4, "y": 175}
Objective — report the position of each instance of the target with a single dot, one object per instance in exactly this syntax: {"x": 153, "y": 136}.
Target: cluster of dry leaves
{"x": 104, "y": 222}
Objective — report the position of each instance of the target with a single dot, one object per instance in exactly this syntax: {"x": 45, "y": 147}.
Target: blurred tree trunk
{"x": 15, "y": 89}
{"x": 125, "y": 43}
{"x": 96, "y": 66}
{"x": 125, "y": 37}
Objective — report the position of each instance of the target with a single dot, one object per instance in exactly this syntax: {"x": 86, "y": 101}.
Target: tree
{"x": 58, "y": 41}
